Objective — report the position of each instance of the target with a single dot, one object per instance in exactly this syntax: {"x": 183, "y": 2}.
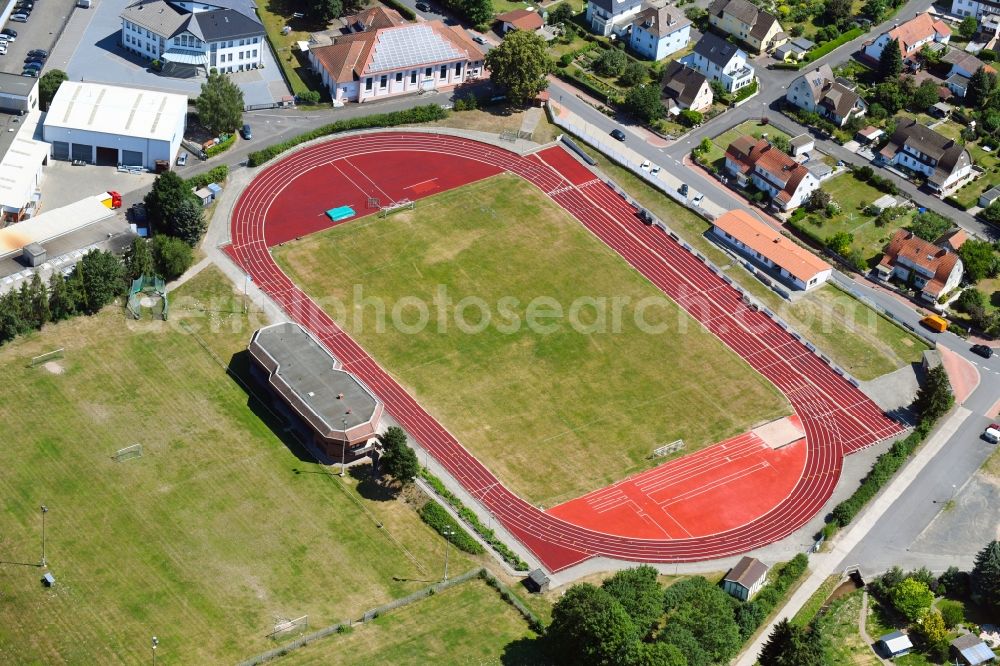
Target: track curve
{"x": 837, "y": 418}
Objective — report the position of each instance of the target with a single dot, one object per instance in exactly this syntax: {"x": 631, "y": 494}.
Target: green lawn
{"x": 557, "y": 408}
{"x": 990, "y": 163}
{"x": 846, "y": 330}
{"x": 751, "y": 127}
{"x": 843, "y": 642}
{"x": 815, "y": 602}
{"x": 216, "y": 529}
{"x": 883, "y": 621}
{"x": 467, "y": 624}
{"x": 275, "y": 15}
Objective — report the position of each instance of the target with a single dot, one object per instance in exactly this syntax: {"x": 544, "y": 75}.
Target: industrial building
{"x": 18, "y": 94}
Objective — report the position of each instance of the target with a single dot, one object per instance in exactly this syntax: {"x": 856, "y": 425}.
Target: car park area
{"x": 41, "y": 30}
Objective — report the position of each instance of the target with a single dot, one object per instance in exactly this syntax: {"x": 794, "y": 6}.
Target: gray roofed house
{"x": 746, "y": 578}
{"x": 972, "y": 650}
{"x": 957, "y": 84}
{"x": 962, "y": 62}
{"x": 818, "y": 91}
{"x": 659, "y": 31}
{"x": 915, "y": 147}
{"x": 686, "y": 88}
{"x": 742, "y": 19}
{"x": 989, "y": 196}
{"x": 716, "y": 50}
{"x": 721, "y": 61}
{"x": 226, "y": 24}
{"x": 607, "y": 17}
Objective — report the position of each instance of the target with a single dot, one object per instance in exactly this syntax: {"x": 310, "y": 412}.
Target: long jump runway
{"x": 286, "y": 201}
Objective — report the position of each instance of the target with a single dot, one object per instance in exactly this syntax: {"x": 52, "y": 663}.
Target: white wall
{"x": 152, "y": 149}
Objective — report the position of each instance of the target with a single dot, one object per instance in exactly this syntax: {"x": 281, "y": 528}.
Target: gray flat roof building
{"x": 18, "y": 94}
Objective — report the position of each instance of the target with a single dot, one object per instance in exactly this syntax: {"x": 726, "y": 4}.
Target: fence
{"x": 371, "y": 614}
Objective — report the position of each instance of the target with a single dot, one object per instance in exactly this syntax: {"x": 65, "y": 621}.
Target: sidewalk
{"x": 827, "y": 564}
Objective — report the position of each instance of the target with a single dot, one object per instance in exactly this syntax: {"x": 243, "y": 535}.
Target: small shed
{"x": 894, "y": 645}
{"x": 819, "y": 170}
{"x": 869, "y": 134}
{"x": 803, "y": 143}
{"x": 215, "y": 188}
{"x": 48, "y": 580}
{"x": 931, "y": 359}
{"x": 537, "y": 582}
{"x": 940, "y": 110}
{"x": 989, "y": 196}
{"x": 745, "y": 579}
{"x": 883, "y": 202}
{"x": 972, "y": 650}
{"x": 34, "y": 254}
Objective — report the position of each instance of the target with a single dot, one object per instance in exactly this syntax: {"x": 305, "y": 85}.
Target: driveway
{"x": 90, "y": 52}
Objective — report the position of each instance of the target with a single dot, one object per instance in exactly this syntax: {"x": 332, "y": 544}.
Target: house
{"x": 397, "y": 60}
{"x": 972, "y": 650}
{"x": 944, "y": 162}
{"x": 957, "y": 84}
{"x": 929, "y": 268}
{"x": 976, "y": 8}
{"x": 989, "y": 31}
{"x": 803, "y": 143}
{"x": 659, "y": 31}
{"x": 794, "y": 50}
{"x": 373, "y": 19}
{"x": 720, "y": 61}
{"x": 519, "y": 19}
{"x": 869, "y": 134}
{"x": 894, "y": 645}
{"x": 989, "y": 196}
{"x": 746, "y": 578}
{"x": 190, "y": 36}
{"x": 817, "y": 91}
{"x": 953, "y": 240}
{"x": 611, "y": 17}
{"x": 756, "y": 161}
{"x": 964, "y": 63}
{"x": 751, "y": 25}
{"x": 685, "y": 88}
{"x": 912, "y": 36}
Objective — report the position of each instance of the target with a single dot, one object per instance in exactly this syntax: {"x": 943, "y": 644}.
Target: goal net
{"x": 284, "y": 627}
{"x": 46, "y": 357}
{"x": 129, "y": 452}
{"x": 405, "y": 204}
{"x": 150, "y": 294}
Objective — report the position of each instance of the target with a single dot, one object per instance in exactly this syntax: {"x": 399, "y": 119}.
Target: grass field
{"x": 844, "y": 645}
{"x": 471, "y": 625}
{"x": 553, "y": 413}
{"x": 216, "y": 529}
{"x": 849, "y": 332}
{"x": 815, "y": 602}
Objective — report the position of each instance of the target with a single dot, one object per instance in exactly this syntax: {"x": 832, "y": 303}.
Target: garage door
{"x": 107, "y": 156}
{"x": 132, "y": 158}
{"x": 60, "y": 150}
{"x": 83, "y": 152}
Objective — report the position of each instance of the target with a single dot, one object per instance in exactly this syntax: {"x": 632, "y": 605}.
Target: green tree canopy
{"x": 633, "y": 74}
{"x": 48, "y": 85}
{"x": 925, "y": 95}
{"x": 912, "y": 598}
{"x": 519, "y": 65}
{"x": 980, "y": 259}
{"x": 967, "y": 27}
{"x": 220, "y": 104}
{"x": 166, "y": 197}
{"x": 640, "y": 594}
{"x": 61, "y": 303}
{"x": 934, "y": 397}
{"x": 890, "y": 64}
{"x": 560, "y": 13}
{"x": 981, "y": 86}
{"x": 102, "y": 279}
{"x": 398, "y": 460}
{"x": 590, "y": 627}
{"x": 706, "y": 612}
{"x": 835, "y": 11}
{"x": 171, "y": 256}
{"x": 643, "y": 101}
{"x": 188, "y": 221}
{"x": 611, "y": 62}
{"x": 138, "y": 260}
{"x": 930, "y": 226}
{"x": 840, "y": 242}
{"x": 985, "y": 577}
{"x": 790, "y": 645}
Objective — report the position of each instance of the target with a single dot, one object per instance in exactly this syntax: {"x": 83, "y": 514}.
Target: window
{"x": 444, "y": 71}
{"x": 368, "y": 84}
{"x": 458, "y": 69}
{"x": 427, "y": 73}
{"x": 399, "y": 77}
{"x": 413, "y": 77}
{"x": 255, "y": 39}
{"x": 243, "y": 42}
{"x": 254, "y": 53}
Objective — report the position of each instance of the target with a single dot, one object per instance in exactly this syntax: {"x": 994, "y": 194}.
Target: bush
{"x": 216, "y": 175}
{"x": 222, "y": 146}
{"x": 437, "y": 517}
{"x": 864, "y": 174}
{"x": 419, "y": 114}
{"x": 566, "y": 60}
{"x": 309, "y": 97}
{"x": 611, "y": 63}
{"x": 952, "y": 613}
{"x": 952, "y": 201}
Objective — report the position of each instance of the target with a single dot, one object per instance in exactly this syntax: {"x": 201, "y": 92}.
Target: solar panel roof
{"x": 411, "y": 46}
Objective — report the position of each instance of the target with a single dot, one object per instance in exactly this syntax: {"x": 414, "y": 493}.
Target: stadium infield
{"x": 554, "y": 413}
{"x": 202, "y": 541}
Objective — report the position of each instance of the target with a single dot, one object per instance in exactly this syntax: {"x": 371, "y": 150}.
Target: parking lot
{"x": 40, "y": 32}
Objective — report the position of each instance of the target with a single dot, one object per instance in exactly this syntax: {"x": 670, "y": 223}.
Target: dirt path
{"x": 863, "y": 627}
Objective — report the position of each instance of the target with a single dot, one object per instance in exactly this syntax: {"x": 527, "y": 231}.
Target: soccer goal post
{"x": 405, "y": 204}
{"x": 129, "y": 452}
{"x": 46, "y": 357}
{"x": 284, "y": 627}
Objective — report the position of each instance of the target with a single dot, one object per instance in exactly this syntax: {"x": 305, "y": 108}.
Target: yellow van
{"x": 935, "y": 323}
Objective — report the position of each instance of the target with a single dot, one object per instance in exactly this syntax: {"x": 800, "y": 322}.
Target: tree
{"x": 10, "y": 317}
{"x": 706, "y": 612}
{"x": 840, "y": 242}
{"x": 220, "y": 104}
{"x": 985, "y": 577}
{"x": 836, "y": 11}
{"x": 324, "y": 11}
{"x": 690, "y": 117}
{"x": 560, "y": 13}
{"x": 519, "y": 65}
{"x": 611, "y": 63}
{"x": 971, "y": 301}
{"x": 398, "y": 459}
{"x": 640, "y": 594}
{"x": 979, "y": 259}
{"x": 101, "y": 274}
{"x": 955, "y": 582}
{"x": 643, "y": 101}
{"x": 934, "y": 397}
{"x": 992, "y": 213}
{"x": 171, "y": 256}
{"x": 138, "y": 260}
{"x": 590, "y": 627}
{"x": 818, "y": 200}
{"x": 890, "y": 63}
{"x": 912, "y": 598}
{"x": 890, "y": 96}
{"x": 790, "y": 645}
{"x": 932, "y": 627}
{"x": 165, "y": 199}
{"x": 782, "y": 143}
{"x": 659, "y": 654}
{"x": 38, "y": 302}
{"x": 967, "y": 27}
{"x": 188, "y": 221}
{"x": 633, "y": 74}
{"x": 48, "y": 85}
{"x": 952, "y": 613}
{"x": 981, "y": 86}
{"x": 61, "y": 303}
{"x": 930, "y": 226}
{"x": 924, "y": 96}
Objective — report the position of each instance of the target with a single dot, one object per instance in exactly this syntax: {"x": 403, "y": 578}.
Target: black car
{"x": 618, "y": 134}
{"x": 423, "y": 6}
{"x": 10, "y": 32}
{"x": 246, "y": 133}
{"x": 684, "y": 189}
{"x": 39, "y": 52}
{"x": 38, "y": 59}
{"x": 982, "y": 350}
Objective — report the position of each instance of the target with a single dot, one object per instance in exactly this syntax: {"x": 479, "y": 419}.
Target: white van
{"x": 992, "y": 435}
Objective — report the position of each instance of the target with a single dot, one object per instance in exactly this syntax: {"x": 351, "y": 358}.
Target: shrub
{"x": 437, "y": 517}
{"x": 419, "y": 114}
{"x": 309, "y": 97}
{"x": 222, "y": 146}
{"x": 952, "y": 201}
{"x": 216, "y": 175}
{"x": 952, "y": 613}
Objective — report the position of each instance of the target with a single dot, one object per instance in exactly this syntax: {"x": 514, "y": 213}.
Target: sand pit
{"x": 54, "y": 367}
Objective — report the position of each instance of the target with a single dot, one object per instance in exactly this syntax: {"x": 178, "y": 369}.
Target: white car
{"x": 644, "y": 166}
{"x": 182, "y": 159}
{"x": 992, "y": 434}
{"x": 697, "y": 199}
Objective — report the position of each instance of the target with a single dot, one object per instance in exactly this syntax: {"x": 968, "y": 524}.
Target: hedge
{"x": 578, "y": 79}
{"x": 745, "y": 92}
{"x": 419, "y": 114}
{"x": 221, "y": 147}
{"x": 403, "y": 10}
{"x": 952, "y": 201}
{"x": 466, "y": 514}
{"x": 437, "y": 517}
{"x": 821, "y": 50}
{"x": 216, "y": 175}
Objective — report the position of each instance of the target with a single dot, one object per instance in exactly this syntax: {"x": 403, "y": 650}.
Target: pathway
{"x": 863, "y": 627}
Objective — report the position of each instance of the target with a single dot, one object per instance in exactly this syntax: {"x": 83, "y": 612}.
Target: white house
{"x": 912, "y": 35}
{"x": 756, "y": 161}
{"x": 188, "y": 35}
{"x": 931, "y": 269}
{"x": 745, "y": 579}
{"x": 685, "y": 88}
{"x": 659, "y": 31}
{"x": 397, "y": 60}
{"x": 720, "y": 61}
{"x": 944, "y": 162}
{"x": 18, "y": 94}
{"x": 611, "y": 17}
{"x": 111, "y": 125}
{"x": 818, "y": 91}
{"x": 976, "y": 8}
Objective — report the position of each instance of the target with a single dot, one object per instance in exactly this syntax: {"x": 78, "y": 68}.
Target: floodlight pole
{"x": 343, "y": 448}
{"x": 45, "y": 510}
{"x": 246, "y": 281}
{"x": 447, "y": 550}
{"x": 156, "y": 642}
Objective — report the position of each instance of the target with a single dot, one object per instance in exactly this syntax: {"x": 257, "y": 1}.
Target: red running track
{"x": 837, "y": 418}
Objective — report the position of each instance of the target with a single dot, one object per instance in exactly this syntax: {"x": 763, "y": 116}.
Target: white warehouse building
{"x": 109, "y": 125}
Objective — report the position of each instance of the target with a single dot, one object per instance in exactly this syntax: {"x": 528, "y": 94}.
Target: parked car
{"x": 182, "y": 159}
{"x": 697, "y": 199}
{"x": 19, "y": 18}
{"x": 684, "y": 189}
{"x": 992, "y": 434}
{"x": 11, "y": 34}
{"x": 618, "y": 134}
{"x": 246, "y": 133}
{"x": 423, "y": 6}
{"x": 33, "y": 73}
{"x": 37, "y": 59}
{"x": 39, "y": 52}
{"x": 32, "y": 65}
{"x": 479, "y": 39}
{"x": 645, "y": 165}
{"x": 982, "y": 350}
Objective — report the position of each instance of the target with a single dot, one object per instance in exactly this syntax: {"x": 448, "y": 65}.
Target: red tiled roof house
{"x": 930, "y": 269}
{"x": 756, "y": 161}
{"x": 912, "y": 36}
